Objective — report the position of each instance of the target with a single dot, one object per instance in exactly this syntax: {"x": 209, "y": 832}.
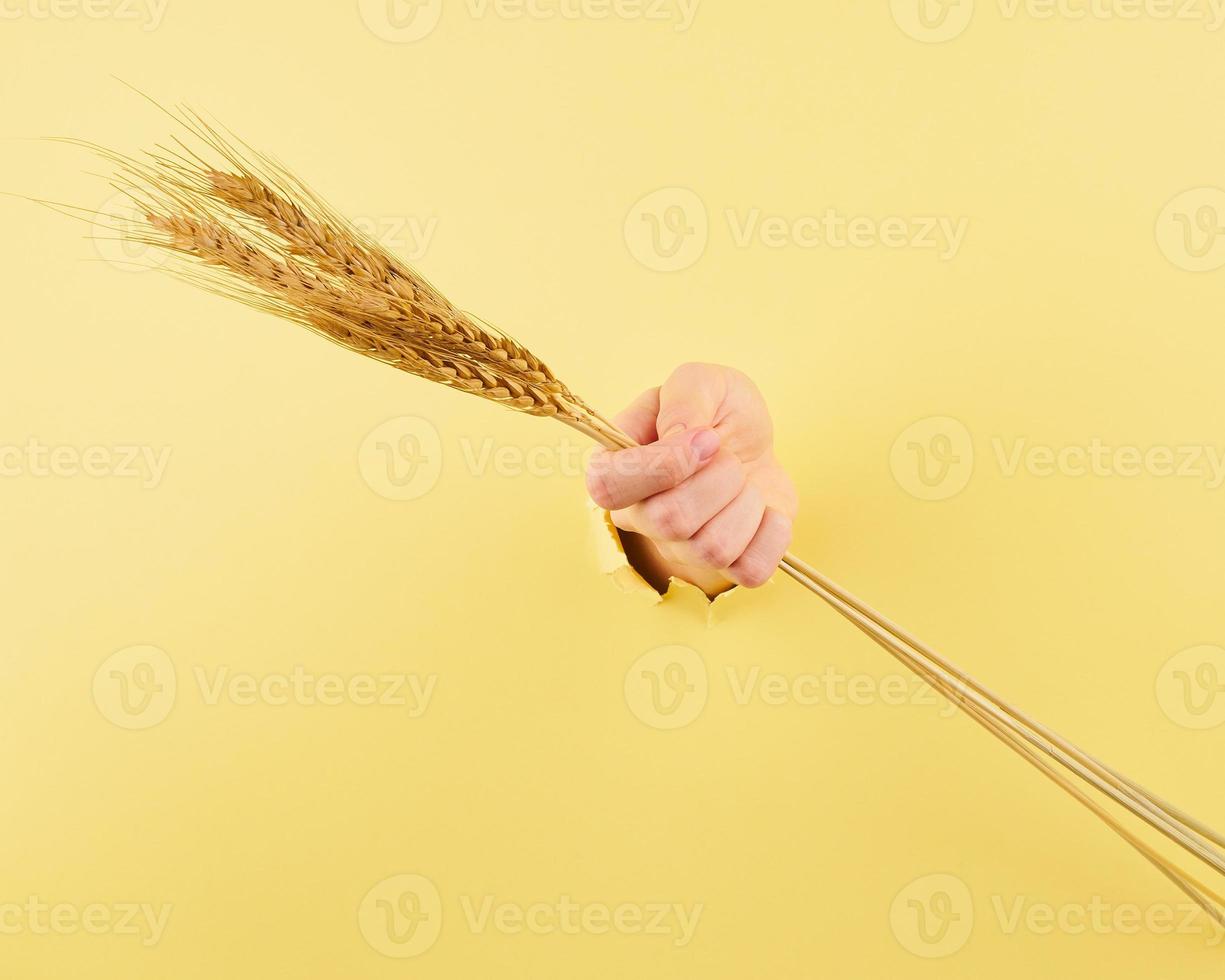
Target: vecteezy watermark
{"x": 934, "y": 459}
{"x": 402, "y": 917}
{"x": 1191, "y": 229}
{"x": 137, "y": 687}
{"x": 1191, "y": 687}
{"x": 400, "y": 21}
{"x": 1020, "y": 914}
{"x": 405, "y": 21}
{"x": 1097, "y": 458}
{"x": 934, "y": 917}
{"x": 410, "y": 692}
{"x": 145, "y": 464}
{"x": 833, "y": 229}
{"x": 403, "y": 458}
{"x": 117, "y": 231}
{"x": 121, "y": 234}
{"x": 832, "y": 688}
{"x": 668, "y": 230}
{"x": 932, "y": 21}
{"x": 668, "y": 687}
{"x": 35, "y": 917}
{"x": 1208, "y": 13}
{"x": 147, "y": 13}
{"x": 564, "y": 916}
{"x": 408, "y": 235}
{"x": 935, "y": 21}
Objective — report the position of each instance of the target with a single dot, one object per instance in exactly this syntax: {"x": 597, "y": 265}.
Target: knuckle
{"x": 756, "y": 566}
{"x": 667, "y": 519}
{"x": 715, "y": 550}
{"x": 752, "y": 572}
{"x": 781, "y": 528}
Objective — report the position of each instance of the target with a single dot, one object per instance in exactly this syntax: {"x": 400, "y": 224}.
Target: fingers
{"x": 703, "y": 487}
{"x": 638, "y": 421}
{"x": 617, "y": 480}
{"x": 743, "y": 541}
{"x": 721, "y": 541}
{"x": 691, "y": 398}
{"x": 765, "y": 551}
{"x": 678, "y": 514}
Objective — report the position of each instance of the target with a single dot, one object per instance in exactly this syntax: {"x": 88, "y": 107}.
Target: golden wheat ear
{"x": 242, "y": 226}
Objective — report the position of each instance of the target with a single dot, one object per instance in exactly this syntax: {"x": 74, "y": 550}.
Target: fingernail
{"x": 706, "y": 444}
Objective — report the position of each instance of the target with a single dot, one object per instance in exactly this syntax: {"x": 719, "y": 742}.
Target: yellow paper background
{"x": 1066, "y": 316}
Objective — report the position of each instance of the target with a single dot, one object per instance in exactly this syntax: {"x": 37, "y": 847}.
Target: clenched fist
{"x": 703, "y": 498}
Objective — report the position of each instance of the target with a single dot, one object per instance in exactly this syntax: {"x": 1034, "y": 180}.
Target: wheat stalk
{"x": 246, "y": 228}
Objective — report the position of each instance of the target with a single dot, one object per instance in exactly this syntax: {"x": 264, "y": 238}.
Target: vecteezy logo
{"x": 933, "y": 916}
{"x": 135, "y": 687}
{"x": 1191, "y": 229}
{"x": 1191, "y": 688}
{"x": 933, "y": 459}
{"x": 111, "y": 227}
{"x": 932, "y": 21}
{"x": 668, "y": 229}
{"x": 667, "y": 687}
{"x": 402, "y": 458}
{"x": 401, "y": 916}
{"x": 401, "y": 21}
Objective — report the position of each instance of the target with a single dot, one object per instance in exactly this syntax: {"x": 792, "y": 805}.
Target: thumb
{"x": 690, "y": 399}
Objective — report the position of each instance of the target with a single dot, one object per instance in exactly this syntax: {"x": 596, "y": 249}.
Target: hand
{"x": 703, "y": 498}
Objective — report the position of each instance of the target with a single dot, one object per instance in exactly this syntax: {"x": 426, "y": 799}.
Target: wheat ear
{"x": 246, "y": 228}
